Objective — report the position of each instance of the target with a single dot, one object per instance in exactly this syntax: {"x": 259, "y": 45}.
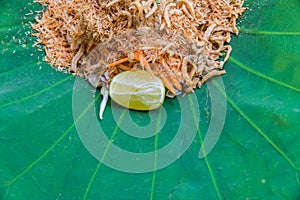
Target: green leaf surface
{"x": 256, "y": 156}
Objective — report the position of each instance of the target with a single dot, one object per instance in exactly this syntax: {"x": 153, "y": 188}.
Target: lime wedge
{"x": 137, "y": 90}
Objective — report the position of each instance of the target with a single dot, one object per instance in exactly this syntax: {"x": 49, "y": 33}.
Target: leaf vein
{"x": 35, "y": 94}
{"x": 103, "y": 156}
{"x": 241, "y": 65}
{"x": 51, "y": 147}
{"x": 257, "y": 32}
{"x": 155, "y": 156}
{"x": 212, "y": 176}
{"x": 283, "y": 154}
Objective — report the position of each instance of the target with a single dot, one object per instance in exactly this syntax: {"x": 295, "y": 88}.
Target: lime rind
{"x": 137, "y": 90}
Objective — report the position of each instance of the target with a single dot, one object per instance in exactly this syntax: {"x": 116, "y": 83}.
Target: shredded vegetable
{"x": 184, "y": 42}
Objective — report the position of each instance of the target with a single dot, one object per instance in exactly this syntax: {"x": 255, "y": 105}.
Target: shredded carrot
{"x": 117, "y": 62}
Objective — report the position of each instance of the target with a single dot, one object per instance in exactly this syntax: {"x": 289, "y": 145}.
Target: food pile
{"x": 184, "y": 42}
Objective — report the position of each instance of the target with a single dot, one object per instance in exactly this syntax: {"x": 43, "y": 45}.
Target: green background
{"x": 256, "y": 157}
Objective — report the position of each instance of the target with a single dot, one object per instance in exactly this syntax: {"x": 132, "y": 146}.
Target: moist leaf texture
{"x": 256, "y": 157}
